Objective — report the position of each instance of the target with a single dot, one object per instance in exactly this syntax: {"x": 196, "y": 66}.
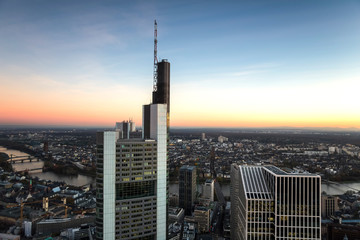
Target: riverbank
{"x": 4, "y": 164}
{"x": 60, "y": 173}
{"x": 17, "y": 146}
{"x": 67, "y": 169}
{"x": 58, "y": 168}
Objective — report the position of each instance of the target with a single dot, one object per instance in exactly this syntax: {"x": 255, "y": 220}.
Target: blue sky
{"x": 236, "y": 54}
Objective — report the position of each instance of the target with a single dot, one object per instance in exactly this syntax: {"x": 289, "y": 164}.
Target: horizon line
{"x": 185, "y": 127}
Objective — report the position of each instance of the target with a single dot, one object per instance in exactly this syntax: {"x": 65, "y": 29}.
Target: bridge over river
{"x": 32, "y": 170}
{"x": 21, "y": 159}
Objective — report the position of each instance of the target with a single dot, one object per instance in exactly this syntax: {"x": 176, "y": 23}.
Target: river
{"x": 78, "y": 180}
{"x": 329, "y": 188}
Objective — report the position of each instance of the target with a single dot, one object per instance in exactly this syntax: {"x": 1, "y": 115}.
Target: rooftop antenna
{"x": 155, "y": 57}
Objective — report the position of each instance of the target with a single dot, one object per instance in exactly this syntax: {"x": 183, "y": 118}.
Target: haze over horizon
{"x": 242, "y": 64}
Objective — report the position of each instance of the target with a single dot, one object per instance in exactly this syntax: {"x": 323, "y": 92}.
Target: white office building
{"x": 131, "y": 181}
{"x": 269, "y": 203}
{"x": 208, "y": 190}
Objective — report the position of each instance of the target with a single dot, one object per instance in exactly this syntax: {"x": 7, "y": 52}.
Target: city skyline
{"x": 246, "y": 64}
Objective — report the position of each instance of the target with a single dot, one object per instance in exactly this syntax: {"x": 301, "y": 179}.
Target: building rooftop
{"x": 187, "y": 167}
{"x": 255, "y": 186}
{"x": 209, "y": 181}
{"x": 201, "y": 208}
{"x": 276, "y": 170}
{"x": 134, "y": 140}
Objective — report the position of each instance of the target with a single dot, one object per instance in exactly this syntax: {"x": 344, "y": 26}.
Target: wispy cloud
{"x": 255, "y": 69}
{"x": 244, "y": 73}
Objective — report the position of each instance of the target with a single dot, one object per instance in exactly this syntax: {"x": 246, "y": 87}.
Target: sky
{"x": 233, "y": 63}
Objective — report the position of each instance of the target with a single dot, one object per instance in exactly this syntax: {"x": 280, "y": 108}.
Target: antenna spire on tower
{"x": 155, "y": 57}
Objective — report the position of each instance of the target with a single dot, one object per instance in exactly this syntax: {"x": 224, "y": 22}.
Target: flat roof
{"x": 129, "y": 140}
{"x": 276, "y": 170}
{"x": 188, "y": 167}
{"x": 255, "y": 186}
{"x": 279, "y": 172}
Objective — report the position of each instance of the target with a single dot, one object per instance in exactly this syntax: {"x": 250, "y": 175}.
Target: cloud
{"x": 243, "y": 73}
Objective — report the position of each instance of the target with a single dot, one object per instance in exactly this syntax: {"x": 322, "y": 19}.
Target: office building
{"x": 187, "y": 188}
{"x": 203, "y": 136}
{"x": 337, "y": 231}
{"x": 176, "y": 214}
{"x": 131, "y": 175}
{"x": 174, "y": 200}
{"x": 222, "y": 139}
{"x": 329, "y": 205}
{"x": 126, "y": 129}
{"x": 269, "y": 203}
{"x": 202, "y": 217}
{"x": 208, "y": 190}
{"x": 131, "y": 182}
{"x": 212, "y": 162}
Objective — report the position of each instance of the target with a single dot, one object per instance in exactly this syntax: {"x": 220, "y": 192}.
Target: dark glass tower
{"x": 212, "y": 163}
{"x": 187, "y": 188}
{"x": 162, "y": 95}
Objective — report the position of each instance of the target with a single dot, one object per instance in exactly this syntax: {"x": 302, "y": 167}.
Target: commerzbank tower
{"x": 132, "y": 169}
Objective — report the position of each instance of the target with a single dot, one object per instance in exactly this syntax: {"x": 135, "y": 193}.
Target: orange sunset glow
{"x": 267, "y": 68}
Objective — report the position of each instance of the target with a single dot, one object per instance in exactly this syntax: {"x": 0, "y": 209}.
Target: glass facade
{"x": 133, "y": 169}
{"x": 131, "y": 180}
{"x": 187, "y": 188}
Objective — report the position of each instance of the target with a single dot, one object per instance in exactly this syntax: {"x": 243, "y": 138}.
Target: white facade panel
{"x": 158, "y": 131}
{"x": 208, "y": 190}
{"x": 109, "y": 184}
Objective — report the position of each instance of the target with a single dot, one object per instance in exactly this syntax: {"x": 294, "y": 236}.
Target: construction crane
{"x": 46, "y": 205}
{"x": 155, "y": 57}
{"x": 22, "y": 204}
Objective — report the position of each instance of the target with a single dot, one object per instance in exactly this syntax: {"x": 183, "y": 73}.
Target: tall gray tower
{"x": 187, "y": 188}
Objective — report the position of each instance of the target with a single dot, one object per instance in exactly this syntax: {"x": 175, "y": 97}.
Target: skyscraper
{"x": 125, "y": 128}
{"x": 187, "y": 188}
{"x": 131, "y": 176}
{"x": 131, "y": 182}
{"x": 161, "y": 95}
{"x": 212, "y": 163}
{"x": 208, "y": 189}
{"x": 269, "y": 203}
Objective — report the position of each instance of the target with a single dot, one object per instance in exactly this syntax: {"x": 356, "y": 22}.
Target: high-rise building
{"x": 222, "y": 139}
{"x": 125, "y": 128}
{"x": 202, "y": 217}
{"x": 131, "y": 182}
{"x": 212, "y": 162}
{"x": 46, "y": 147}
{"x": 329, "y": 205}
{"x": 131, "y": 175}
{"x": 161, "y": 95}
{"x": 269, "y": 203}
{"x": 187, "y": 188}
{"x": 208, "y": 190}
